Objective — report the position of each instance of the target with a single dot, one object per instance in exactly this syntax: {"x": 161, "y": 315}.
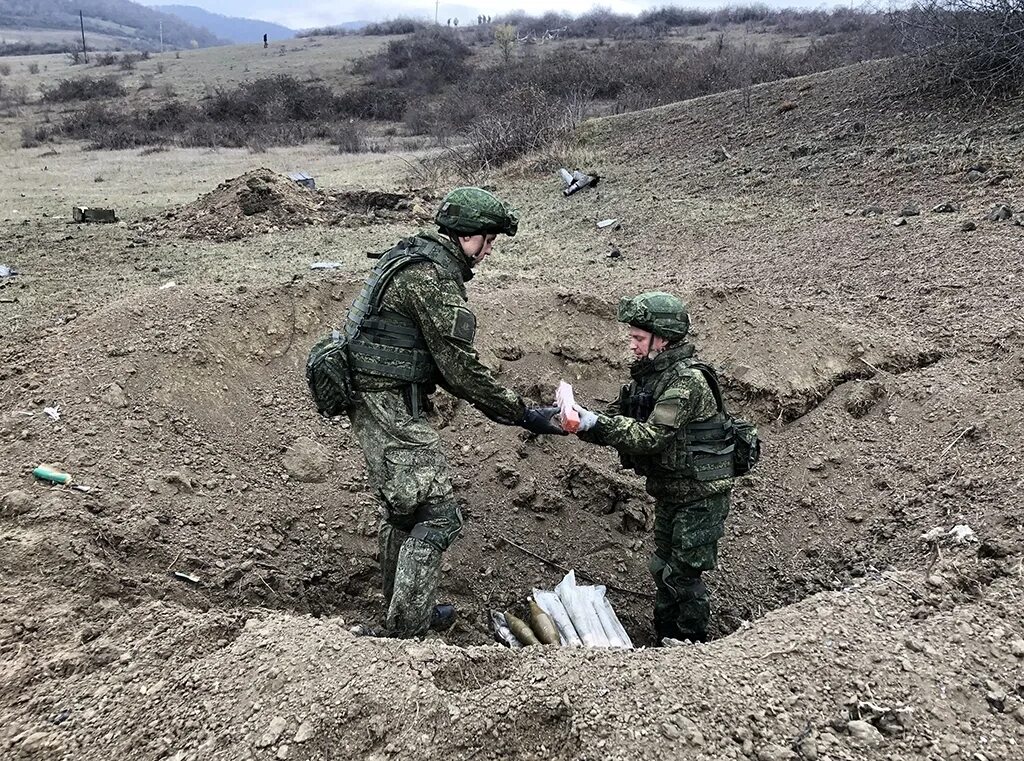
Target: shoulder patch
{"x": 464, "y": 325}
{"x": 666, "y": 412}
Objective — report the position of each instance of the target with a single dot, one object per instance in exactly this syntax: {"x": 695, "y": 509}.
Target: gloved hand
{"x": 588, "y": 419}
{"x": 542, "y": 420}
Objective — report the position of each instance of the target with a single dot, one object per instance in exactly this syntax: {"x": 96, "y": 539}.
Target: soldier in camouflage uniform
{"x": 410, "y": 331}
{"x": 669, "y": 426}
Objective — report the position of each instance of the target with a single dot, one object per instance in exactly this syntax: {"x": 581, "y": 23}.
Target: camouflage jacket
{"x": 435, "y": 301}
{"x": 650, "y": 443}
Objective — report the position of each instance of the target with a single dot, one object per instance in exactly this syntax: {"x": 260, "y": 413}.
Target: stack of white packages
{"x": 582, "y": 615}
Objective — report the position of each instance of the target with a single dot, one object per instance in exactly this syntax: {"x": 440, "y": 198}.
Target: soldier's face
{"x": 643, "y": 344}
{"x": 477, "y": 247}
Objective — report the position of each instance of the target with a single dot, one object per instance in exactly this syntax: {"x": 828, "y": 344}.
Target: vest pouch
{"x": 706, "y": 449}
{"x": 328, "y": 375}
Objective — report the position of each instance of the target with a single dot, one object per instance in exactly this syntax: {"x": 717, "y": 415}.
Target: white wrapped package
{"x": 550, "y": 603}
{"x": 613, "y": 628}
{"x": 582, "y": 612}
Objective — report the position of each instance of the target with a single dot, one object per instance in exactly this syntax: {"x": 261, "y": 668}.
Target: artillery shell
{"x": 521, "y": 629}
{"x": 543, "y": 626}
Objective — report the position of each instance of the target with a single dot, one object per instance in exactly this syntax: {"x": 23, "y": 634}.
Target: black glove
{"x": 542, "y": 420}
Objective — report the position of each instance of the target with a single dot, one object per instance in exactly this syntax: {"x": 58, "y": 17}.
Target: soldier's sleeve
{"x": 676, "y": 407}
{"x": 449, "y": 328}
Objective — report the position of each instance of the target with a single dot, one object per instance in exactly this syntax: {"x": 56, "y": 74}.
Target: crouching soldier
{"x": 669, "y": 425}
{"x": 410, "y": 331}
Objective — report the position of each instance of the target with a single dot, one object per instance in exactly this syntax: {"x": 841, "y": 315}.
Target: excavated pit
{"x": 216, "y": 486}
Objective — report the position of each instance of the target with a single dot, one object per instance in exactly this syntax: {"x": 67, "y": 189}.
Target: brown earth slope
{"x": 883, "y": 363}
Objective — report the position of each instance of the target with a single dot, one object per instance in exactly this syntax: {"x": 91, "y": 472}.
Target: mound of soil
{"x": 262, "y": 201}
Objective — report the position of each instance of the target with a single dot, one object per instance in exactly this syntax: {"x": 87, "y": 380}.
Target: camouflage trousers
{"x": 685, "y": 545}
{"x": 421, "y": 519}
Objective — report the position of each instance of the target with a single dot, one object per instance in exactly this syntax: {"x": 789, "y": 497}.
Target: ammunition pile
{"x": 569, "y": 616}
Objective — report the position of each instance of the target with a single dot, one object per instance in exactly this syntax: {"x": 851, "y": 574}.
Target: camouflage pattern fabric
{"x": 436, "y": 302}
{"x": 421, "y": 519}
{"x": 679, "y": 395}
{"x": 690, "y": 515}
{"x": 475, "y": 211}
{"x": 403, "y": 454}
{"x": 656, "y": 312}
{"x": 685, "y": 544}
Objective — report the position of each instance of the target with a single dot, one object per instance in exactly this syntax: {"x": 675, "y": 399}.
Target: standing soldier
{"x": 410, "y": 331}
{"x": 669, "y": 425}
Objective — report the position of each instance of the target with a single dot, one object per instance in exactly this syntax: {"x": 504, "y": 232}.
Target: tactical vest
{"x": 382, "y": 342}
{"x": 701, "y": 450}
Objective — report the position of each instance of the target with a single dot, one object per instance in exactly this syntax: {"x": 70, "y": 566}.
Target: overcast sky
{"x": 300, "y": 15}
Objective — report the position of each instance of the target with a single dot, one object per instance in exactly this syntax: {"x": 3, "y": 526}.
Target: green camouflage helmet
{"x": 657, "y": 312}
{"x": 474, "y": 211}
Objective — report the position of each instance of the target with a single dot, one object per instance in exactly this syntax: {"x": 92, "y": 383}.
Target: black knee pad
{"x": 438, "y": 525}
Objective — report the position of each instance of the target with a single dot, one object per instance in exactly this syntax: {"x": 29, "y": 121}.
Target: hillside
{"x": 231, "y": 28}
{"x": 845, "y": 271}
{"x": 120, "y": 22}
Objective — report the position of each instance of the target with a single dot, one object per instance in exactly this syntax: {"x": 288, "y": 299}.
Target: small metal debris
{"x": 326, "y": 265}
{"x": 87, "y": 214}
{"x": 168, "y": 285}
{"x": 53, "y": 412}
{"x": 577, "y": 180}
{"x": 303, "y": 179}
{"x": 186, "y": 577}
{"x": 608, "y": 223}
{"x": 7, "y": 271}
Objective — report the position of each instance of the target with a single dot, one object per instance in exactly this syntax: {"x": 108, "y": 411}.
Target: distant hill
{"x": 129, "y": 24}
{"x": 229, "y": 28}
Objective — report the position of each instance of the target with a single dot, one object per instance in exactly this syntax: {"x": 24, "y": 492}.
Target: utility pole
{"x": 437, "y": 4}
{"x": 81, "y": 20}
{"x": 161, "y": 36}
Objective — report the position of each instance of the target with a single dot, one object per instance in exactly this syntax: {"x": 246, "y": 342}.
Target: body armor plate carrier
{"x": 703, "y": 450}
{"x": 385, "y": 343}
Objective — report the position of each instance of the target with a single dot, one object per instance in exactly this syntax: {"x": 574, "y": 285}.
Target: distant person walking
{"x": 266, "y": 43}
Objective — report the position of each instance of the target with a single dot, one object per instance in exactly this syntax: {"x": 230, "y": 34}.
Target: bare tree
{"x": 968, "y": 48}
{"x": 505, "y": 35}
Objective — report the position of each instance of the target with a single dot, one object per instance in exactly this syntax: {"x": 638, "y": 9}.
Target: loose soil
{"x": 883, "y": 363}
{"x": 263, "y": 201}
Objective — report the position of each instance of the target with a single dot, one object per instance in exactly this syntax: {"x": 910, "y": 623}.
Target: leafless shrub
{"x": 349, "y": 138}
{"x": 32, "y": 136}
{"x": 83, "y": 88}
{"x": 33, "y": 68}
{"x": 5, "y": 69}
{"x": 528, "y": 120}
{"x": 972, "y": 49}
{"x": 16, "y": 95}
{"x": 400, "y": 25}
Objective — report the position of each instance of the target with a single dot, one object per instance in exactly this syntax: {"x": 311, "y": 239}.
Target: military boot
{"x": 666, "y": 630}
{"x": 443, "y": 617}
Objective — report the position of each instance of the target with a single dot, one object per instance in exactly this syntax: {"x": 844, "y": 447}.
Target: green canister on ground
{"x": 47, "y": 473}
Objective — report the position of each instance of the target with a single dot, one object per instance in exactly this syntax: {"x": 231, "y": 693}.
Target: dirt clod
{"x": 307, "y": 461}
{"x": 865, "y": 732}
{"x": 15, "y": 502}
